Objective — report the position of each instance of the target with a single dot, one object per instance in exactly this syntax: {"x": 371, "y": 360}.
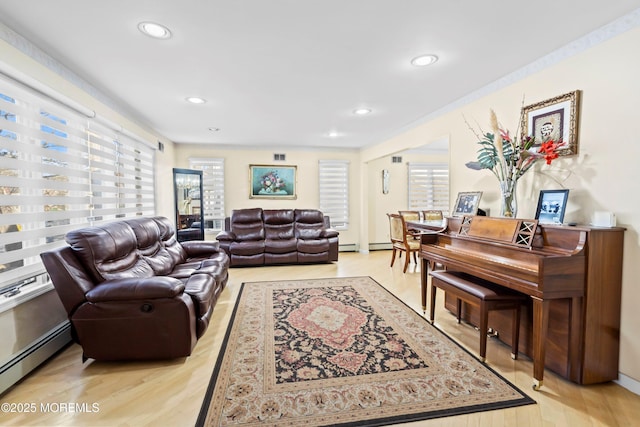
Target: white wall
{"x": 236, "y": 166}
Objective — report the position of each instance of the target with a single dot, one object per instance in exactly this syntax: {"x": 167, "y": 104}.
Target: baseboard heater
{"x": 32, "y": 356}
{"x": 348, "y": 247}
{"x": 379, "y": 246}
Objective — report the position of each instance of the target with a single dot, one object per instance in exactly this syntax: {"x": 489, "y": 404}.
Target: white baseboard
{"x": 628, "y": 383}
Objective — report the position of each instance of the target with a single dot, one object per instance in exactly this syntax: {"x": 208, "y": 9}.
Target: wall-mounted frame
{"x": 272, "y": 182}
{"x": 552, "y": 205}
{"x": 467, "y": 203}
{"x": 554, "y": 119}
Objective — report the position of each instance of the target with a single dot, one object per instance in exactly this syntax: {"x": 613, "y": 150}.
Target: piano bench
{"x": 480, "y": 293}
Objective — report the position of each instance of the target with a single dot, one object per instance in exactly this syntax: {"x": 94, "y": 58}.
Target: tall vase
{"x": 509, "y": 201}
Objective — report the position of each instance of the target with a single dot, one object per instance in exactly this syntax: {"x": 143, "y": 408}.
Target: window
{"x": 122, "y": 182}
{"x": 334, "y": 192}
{"x": 59, "y": 173}
{"x": 428, "y": 186}
{"x": 213, "y": 187}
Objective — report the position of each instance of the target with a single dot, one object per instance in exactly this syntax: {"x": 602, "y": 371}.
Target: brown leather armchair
{"x": 132, "y": 291}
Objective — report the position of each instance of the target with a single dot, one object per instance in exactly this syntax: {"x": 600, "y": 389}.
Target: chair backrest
{"x": 410, "y": 215}
{"x": 397, "y": 228}
{"x": 432, "y": 215}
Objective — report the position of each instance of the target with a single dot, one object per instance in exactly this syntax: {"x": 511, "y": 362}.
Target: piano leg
{"x": 540, "y": 326}
{"x": 424, "y": 270}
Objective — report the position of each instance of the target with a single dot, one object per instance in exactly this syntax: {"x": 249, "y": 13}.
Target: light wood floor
{"x": 170, "y": 393}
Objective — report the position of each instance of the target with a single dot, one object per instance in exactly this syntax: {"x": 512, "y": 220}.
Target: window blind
{"x": 53, "y": 178}
{"x": 213, "y": 187}
{"x": 122, "y": 175}
{"x": 428, "y": 186}
{"x": 334, "y": 192}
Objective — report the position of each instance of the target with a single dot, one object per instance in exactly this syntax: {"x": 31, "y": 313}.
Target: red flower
{"x": 549, "y": 149}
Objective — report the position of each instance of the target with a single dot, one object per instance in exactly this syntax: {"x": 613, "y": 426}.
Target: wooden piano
{"x": 573, "y": 275}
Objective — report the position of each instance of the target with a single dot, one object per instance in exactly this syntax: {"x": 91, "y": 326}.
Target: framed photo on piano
{"x": 467, "y": 203}
{"x": 551, "y": 206}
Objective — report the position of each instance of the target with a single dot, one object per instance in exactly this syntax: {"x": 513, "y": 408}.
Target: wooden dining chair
{"x": 402, "y": 240}
{"x": 432, "y": 215}
{"x": 411, "y": 216}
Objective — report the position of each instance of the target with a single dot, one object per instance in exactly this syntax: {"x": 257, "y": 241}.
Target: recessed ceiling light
{"x": 196, "y": 100}
{"x": 424, "y": 60}
{"x": 333, "y": 134}
{"x": 362, "y": 111}
{"x": 154, "y": 30}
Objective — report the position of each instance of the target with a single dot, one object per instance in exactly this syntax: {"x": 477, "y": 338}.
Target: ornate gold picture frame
{"x": 272, "y": 182}
{"x": 554, "y": 119}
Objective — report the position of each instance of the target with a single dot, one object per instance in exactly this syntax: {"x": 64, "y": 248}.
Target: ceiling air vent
{"x": 279, "y": 157}
{"x": 396, "y": 159}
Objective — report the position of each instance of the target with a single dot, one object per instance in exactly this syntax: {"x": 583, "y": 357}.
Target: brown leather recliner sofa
{"x": 278, "y": 236}
{"x": 132, "y": 291}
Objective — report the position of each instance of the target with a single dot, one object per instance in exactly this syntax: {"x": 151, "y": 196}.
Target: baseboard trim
{"x": 32, "y": 356}
{"x": 629, "y": 383}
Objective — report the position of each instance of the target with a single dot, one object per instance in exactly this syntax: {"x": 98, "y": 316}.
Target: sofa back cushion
{"x": 278, "y": 224}
{"x": 247, "y": 224}
{"x": 169, "y": 240}
{"x": 309, "y": 223}
{"x": 109, "y": 251}
{"x": 151, "y": 246}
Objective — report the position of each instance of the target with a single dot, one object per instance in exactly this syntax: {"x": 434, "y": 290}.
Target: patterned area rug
{"x": 341, "y": 351}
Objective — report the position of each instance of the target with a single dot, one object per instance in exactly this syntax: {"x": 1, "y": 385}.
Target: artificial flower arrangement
{"x": 508, "y": 159}
{"x": 272, "y": 183}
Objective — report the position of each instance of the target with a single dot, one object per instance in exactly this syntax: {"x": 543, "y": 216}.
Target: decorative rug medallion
{"x": 341, "y": 351}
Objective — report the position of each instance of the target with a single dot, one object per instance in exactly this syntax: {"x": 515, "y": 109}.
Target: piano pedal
{"x": 491, "y": 333}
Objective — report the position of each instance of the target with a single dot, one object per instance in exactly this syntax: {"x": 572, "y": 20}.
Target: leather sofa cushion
{"x": 247, "y": 247}
{"x": 278, "y": 224}
{"x": 280, "y": 246}
{"x": 247, "y": 224}
{"x": 171, "y": 244}
{"x": 151, "y": 246}
{"x": 109, "y": 251}
{"x": 309, "y": 223}
{"x": 313, "y": 246}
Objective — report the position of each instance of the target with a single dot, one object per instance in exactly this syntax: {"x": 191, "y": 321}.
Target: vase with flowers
{"x": 509, "y": 158}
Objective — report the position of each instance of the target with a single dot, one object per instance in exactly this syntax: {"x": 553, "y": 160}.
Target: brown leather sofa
{"x": 132, "y": 291}
{"x": 278, "y": 236}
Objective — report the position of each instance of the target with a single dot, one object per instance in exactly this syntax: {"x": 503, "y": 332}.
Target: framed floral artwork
{"x": 467, "y": 203}
{"x": 272, "y": 182}
{"x": 555, "y": 119}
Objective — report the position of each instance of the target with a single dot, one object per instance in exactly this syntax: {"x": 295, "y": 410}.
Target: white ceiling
{"x": 284, "y": 73}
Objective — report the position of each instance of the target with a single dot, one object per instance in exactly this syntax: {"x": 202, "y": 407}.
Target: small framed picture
{"x": 551, "y": 206}
{"x": 467, "y": 203}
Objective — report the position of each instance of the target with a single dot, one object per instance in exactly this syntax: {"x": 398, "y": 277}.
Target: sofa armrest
{"x": 196, "y": 248}
{"x": 131, "y": 289}
{"x": 330, "y": 232}
{"x": 229, "y": 236}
